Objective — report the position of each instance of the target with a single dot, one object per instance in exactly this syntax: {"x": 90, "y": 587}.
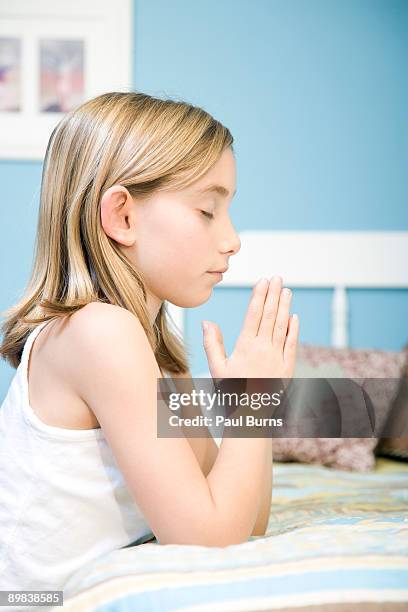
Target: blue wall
{"x": 315, "y": 95}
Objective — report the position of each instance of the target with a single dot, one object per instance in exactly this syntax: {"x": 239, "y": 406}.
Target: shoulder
{"x": 102, "y": 338}
{"x": 98, "y": 323}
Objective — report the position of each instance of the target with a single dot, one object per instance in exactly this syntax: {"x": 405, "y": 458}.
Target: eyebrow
{"x": 222, "y": 191}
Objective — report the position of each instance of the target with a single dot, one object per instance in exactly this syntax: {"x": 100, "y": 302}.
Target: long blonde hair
{"x": 129, "y": 138}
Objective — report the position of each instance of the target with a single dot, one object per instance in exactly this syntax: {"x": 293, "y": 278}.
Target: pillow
{"x": 394, "y": 438}
{"x": 353, "y": 454}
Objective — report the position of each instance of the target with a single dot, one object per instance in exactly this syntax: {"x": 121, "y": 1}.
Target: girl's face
{"x": 176, "y": 238}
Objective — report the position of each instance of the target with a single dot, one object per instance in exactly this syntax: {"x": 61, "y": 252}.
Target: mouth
{"x": 216, "y": 275}
{"x": 219, "y": 271}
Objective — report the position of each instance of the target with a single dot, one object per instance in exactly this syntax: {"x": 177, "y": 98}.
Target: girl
{"x": 133, "y": 212}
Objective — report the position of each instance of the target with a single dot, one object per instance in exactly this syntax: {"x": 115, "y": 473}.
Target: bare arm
{"x": 206, "y": 452}
{"x": 262, "y": 521}
{"x": 205, "y": 449}
{"x": 111, "y": 366}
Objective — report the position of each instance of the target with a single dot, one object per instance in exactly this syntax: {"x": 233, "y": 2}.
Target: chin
{"x": 189, "y": 301}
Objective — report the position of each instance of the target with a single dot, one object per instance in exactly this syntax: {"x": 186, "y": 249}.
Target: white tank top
{"x": 63, "y": 499}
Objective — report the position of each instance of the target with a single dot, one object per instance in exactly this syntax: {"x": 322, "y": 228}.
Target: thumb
{"x": 214, "y": 346}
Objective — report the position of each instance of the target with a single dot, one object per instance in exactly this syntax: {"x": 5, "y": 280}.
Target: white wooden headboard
{"x": 315, "y": 259}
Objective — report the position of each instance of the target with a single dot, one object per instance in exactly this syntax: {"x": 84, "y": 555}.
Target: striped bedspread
{"x": 336, "y": 541}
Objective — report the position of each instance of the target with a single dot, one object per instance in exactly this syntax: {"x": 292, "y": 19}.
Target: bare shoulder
{"x": 100, "y": 334}
{"x": 97, "y": 313}
{"x": 66, "y": 352}
{"x": 100, "y": 321}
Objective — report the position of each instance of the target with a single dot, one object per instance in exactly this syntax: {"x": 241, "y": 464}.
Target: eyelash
{"x": 207, "y": 214}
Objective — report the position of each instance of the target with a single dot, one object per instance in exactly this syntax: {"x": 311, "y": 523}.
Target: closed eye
{"x": 207, "y": 214}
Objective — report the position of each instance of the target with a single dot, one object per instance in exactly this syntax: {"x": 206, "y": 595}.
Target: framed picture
{"x": 54, "y": 56}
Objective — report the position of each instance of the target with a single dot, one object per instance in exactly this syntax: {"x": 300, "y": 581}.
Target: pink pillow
{"x": 353, "y": 454}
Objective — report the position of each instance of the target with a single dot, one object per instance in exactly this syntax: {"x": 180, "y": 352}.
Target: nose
{"x": 232, "y": 243}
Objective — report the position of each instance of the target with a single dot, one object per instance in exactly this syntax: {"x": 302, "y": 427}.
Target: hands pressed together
{"x": 267, "y": 344}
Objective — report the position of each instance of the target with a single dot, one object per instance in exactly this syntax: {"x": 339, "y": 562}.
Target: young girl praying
{"x": 134, "y": 211}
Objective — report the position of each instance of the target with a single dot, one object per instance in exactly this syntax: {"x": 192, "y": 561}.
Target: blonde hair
{"x": 129, "y": 138}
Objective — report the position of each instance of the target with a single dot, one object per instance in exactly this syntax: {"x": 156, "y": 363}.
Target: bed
{"x": 336, "y": 540}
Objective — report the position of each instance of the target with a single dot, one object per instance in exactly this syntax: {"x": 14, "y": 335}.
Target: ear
{"x": 118, "y": 215}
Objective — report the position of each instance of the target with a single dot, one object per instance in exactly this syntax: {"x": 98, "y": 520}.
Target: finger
{"x": 214, "y": 346}
{"x": 289, "y": 351}
{"x": 220, "y": 339}
{"x": 255, "y": 308}
{"x": 282, "y": 318}
{"x": 270, "y": 308}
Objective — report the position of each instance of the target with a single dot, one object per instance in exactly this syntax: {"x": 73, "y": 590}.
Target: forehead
{"x": 220, "y": 179}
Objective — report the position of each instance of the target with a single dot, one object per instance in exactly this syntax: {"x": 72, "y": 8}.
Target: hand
{"x": 267, "y": 344}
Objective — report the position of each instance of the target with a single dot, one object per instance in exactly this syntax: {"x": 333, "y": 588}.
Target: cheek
{"x": 174, "y": 255}
{"x": 186, "y": 233}
{"x": 175, "y": 244}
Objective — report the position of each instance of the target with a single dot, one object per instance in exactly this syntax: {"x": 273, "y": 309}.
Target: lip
{"x": 219, "y": 271}
{"x": 217, "y": 274}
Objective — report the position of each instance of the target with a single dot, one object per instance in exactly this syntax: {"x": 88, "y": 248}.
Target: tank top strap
{"x": 28, "y": 413}
{"x": 29, "y": 342}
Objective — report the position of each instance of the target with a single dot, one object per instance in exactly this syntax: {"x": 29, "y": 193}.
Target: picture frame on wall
{"x": 53, "y": 57}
